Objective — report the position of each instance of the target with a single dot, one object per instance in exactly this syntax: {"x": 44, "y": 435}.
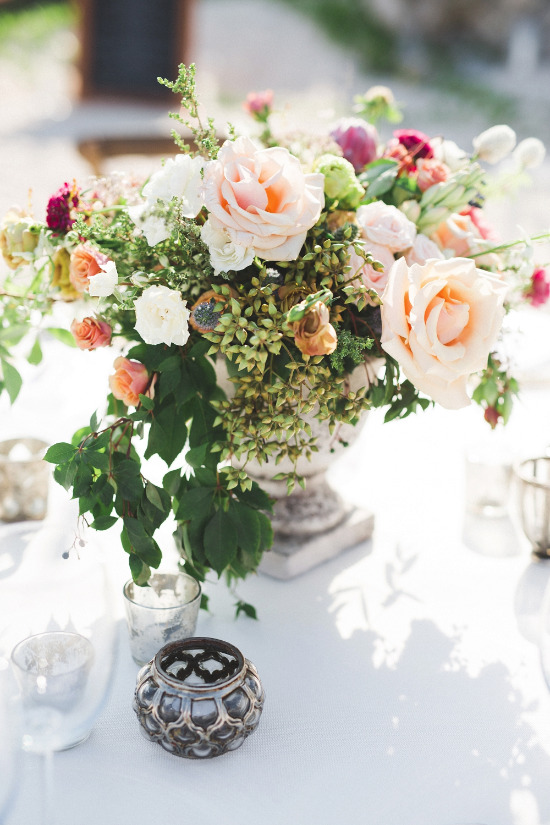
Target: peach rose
{"x": 91, "y": 333}
{"x": 440, "y": 322}
{"x": 458, "y": 234}
{"x": 421, "y": 250}
{"x": 262, "y": 198}
{"x": 367, "y": 275}
{"x": 313, "y": 334}
{"x": 430, "y": 172}
{"x": 129, "y": 381}
{"x": 85, "y": 263}
{"x": 386, "y": 226}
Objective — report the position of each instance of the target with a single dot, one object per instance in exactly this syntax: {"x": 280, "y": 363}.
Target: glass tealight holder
{"x": 488, "y": 480}
{"x": 24, "y": 479}
{"x": 533, "y": 482}
{"x": 166, "y": 610}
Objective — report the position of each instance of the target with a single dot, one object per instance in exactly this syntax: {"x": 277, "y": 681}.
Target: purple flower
{"x": 357, "y": 139}
{"x": 58, "y": 211}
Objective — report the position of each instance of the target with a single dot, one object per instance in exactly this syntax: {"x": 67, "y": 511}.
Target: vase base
{"x": 291, "y": 556}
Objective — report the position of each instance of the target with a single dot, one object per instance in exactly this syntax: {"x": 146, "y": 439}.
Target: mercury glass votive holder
{"x": 163, "y": 611}
{"x": 488, "y": 480}
{"x": 533, "y": 481}
{"x": 24, "y": 479}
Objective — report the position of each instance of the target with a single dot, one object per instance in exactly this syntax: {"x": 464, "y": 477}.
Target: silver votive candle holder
{"x": 533, "y": 481}
{"x": 24, "y": 479}
{"x": 165, "y": 610}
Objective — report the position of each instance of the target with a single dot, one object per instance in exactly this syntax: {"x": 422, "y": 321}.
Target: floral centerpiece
{"x": 294, "y": 260}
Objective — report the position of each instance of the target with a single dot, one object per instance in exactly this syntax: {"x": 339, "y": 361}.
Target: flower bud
{"x": 494, "y": 144}
{"x": 357, "y": 139}
{"x": 340, "y": 182}
{"x": 529, "y": 153}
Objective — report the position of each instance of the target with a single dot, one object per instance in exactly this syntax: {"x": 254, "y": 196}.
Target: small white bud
{"x": 529, "y": 153}
{"x": 495, "y": 144}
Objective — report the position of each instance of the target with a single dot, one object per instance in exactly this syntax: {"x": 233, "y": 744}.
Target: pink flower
{"x": 130, "y": 380}
{"x": 60, "y": 207}
{"x": 262, "y": 198}
{"x": 259, "y": 103}
{"x": 91, "y": 333}
{"x": 357, "y": 139}
{"x": 385, "y": 225}
{"x": 486, "y": 231}
{"x": 366, "y": 274}
{"x": 430, "y": 172}
{"x": 539, "y": 290}
{"x": 458, "y": 235}
{"x": 85, "y": 263}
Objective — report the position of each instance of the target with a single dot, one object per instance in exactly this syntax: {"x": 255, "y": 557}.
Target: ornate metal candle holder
{"x": 198, "y": 698}
{"x": 533, "y": 477}
{"x": 24, "y": 478}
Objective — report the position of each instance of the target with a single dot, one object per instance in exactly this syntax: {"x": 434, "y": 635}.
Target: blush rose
{"x": 262, "y": 198}
{"x": 314, "y": 334}
{"x": 86, "y": 262}
{"x": 129, "y": 381}
{"x": 91, "y": 333}
{"x": 386, "y": 226}
{"x": 440, "y": 321}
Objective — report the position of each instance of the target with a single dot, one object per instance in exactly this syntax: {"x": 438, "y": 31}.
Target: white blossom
{"x": 529, "y": 153}
{"x": 225, "y": 254}
{"x": 104, "y": 283}
{"x": 181, "y": 178}
{"x": 494, "y": 144}
{"x": 162, "y": 316}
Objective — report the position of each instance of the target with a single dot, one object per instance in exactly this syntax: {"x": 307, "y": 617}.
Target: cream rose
{"x": 225, "y": 254}
{"x": 440, "y": 322}
{"x": 162, "y": 316}
{"x": 181, "y": 178}
{"x": 262, "y": 198}
{"x": 386, "y": 226}
{"x": 103, "y": 283}
{"x": 421, "y": 250}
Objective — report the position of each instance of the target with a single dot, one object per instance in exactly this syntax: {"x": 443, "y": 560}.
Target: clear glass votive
{"x": 166, "y": 610}
{"x": 533, "y": 476}
{"x": 53, "y": 671}
{"x": 24, "y": 479}
{"x": 488, "y": 480}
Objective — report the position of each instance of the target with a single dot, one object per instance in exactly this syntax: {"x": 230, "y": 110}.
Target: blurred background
{"x": 77, "y": 74}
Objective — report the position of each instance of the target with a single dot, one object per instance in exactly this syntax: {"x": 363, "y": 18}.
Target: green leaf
{"x": 104, "y": 522}
{"x": 142, "y": 544}
{"x": 195, "y": 503}
{"x": 60, "y": 453}
{"x": 146, "y": 402}
{"x": 167, "y": 435}
{"x": 220, "y": 541}
{"x": 140, "y": 571}
{"x": 62, "y": 335}
{"x": 12, "y": 380}
{"x": 248, "y": 610}
{"x": 35, "y": 355}
{"x": 246, "y": 522}
{"x": 171, "y": 482}
{"x": 255, "y": 497}
{"x": 204, "y": 602}
{"x": 128, "y": 479}
{"x": 196, "y": 456}
{"x": 157, "y": 496}
{"x": 266, "y": 530}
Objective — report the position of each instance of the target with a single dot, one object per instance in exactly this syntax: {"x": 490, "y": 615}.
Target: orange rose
{"x": 85, "y": 263}
{"x": 313, "y": 334}
{"x": 91, "y": 333}
{"x": 130, "y": 380}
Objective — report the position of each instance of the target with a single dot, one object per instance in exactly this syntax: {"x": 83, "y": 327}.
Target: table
{"x": 402, "y": 679}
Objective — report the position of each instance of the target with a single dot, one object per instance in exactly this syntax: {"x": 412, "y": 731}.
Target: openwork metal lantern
{"x": 533, "y": 476}
{"x": 198, "y": 698}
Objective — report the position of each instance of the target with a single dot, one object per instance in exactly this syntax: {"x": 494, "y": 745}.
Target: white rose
{"x": 440, "y": 321}
{"x": 152, "y": 226}
{"x": 162, "y": 316}
{"x": 386, "y": 226}
{"x": 225, "y": 254}
{"x": 494, "y": 144}
{"x": 104, "y": 283}
{"x": 422, "y": 250}
{"x": 529, "y": 153}
{"x": 181, "y": 178}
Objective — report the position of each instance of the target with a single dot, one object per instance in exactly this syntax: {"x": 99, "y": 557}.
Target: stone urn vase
{"x": 312, "y": 524}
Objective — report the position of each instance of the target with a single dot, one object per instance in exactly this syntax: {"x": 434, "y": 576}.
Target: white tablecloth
{"x": 403, "y": 684}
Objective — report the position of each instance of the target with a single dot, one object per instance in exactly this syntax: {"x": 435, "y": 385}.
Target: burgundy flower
{"x": 416, "y": 143}
{"x": 60, "y": 205}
